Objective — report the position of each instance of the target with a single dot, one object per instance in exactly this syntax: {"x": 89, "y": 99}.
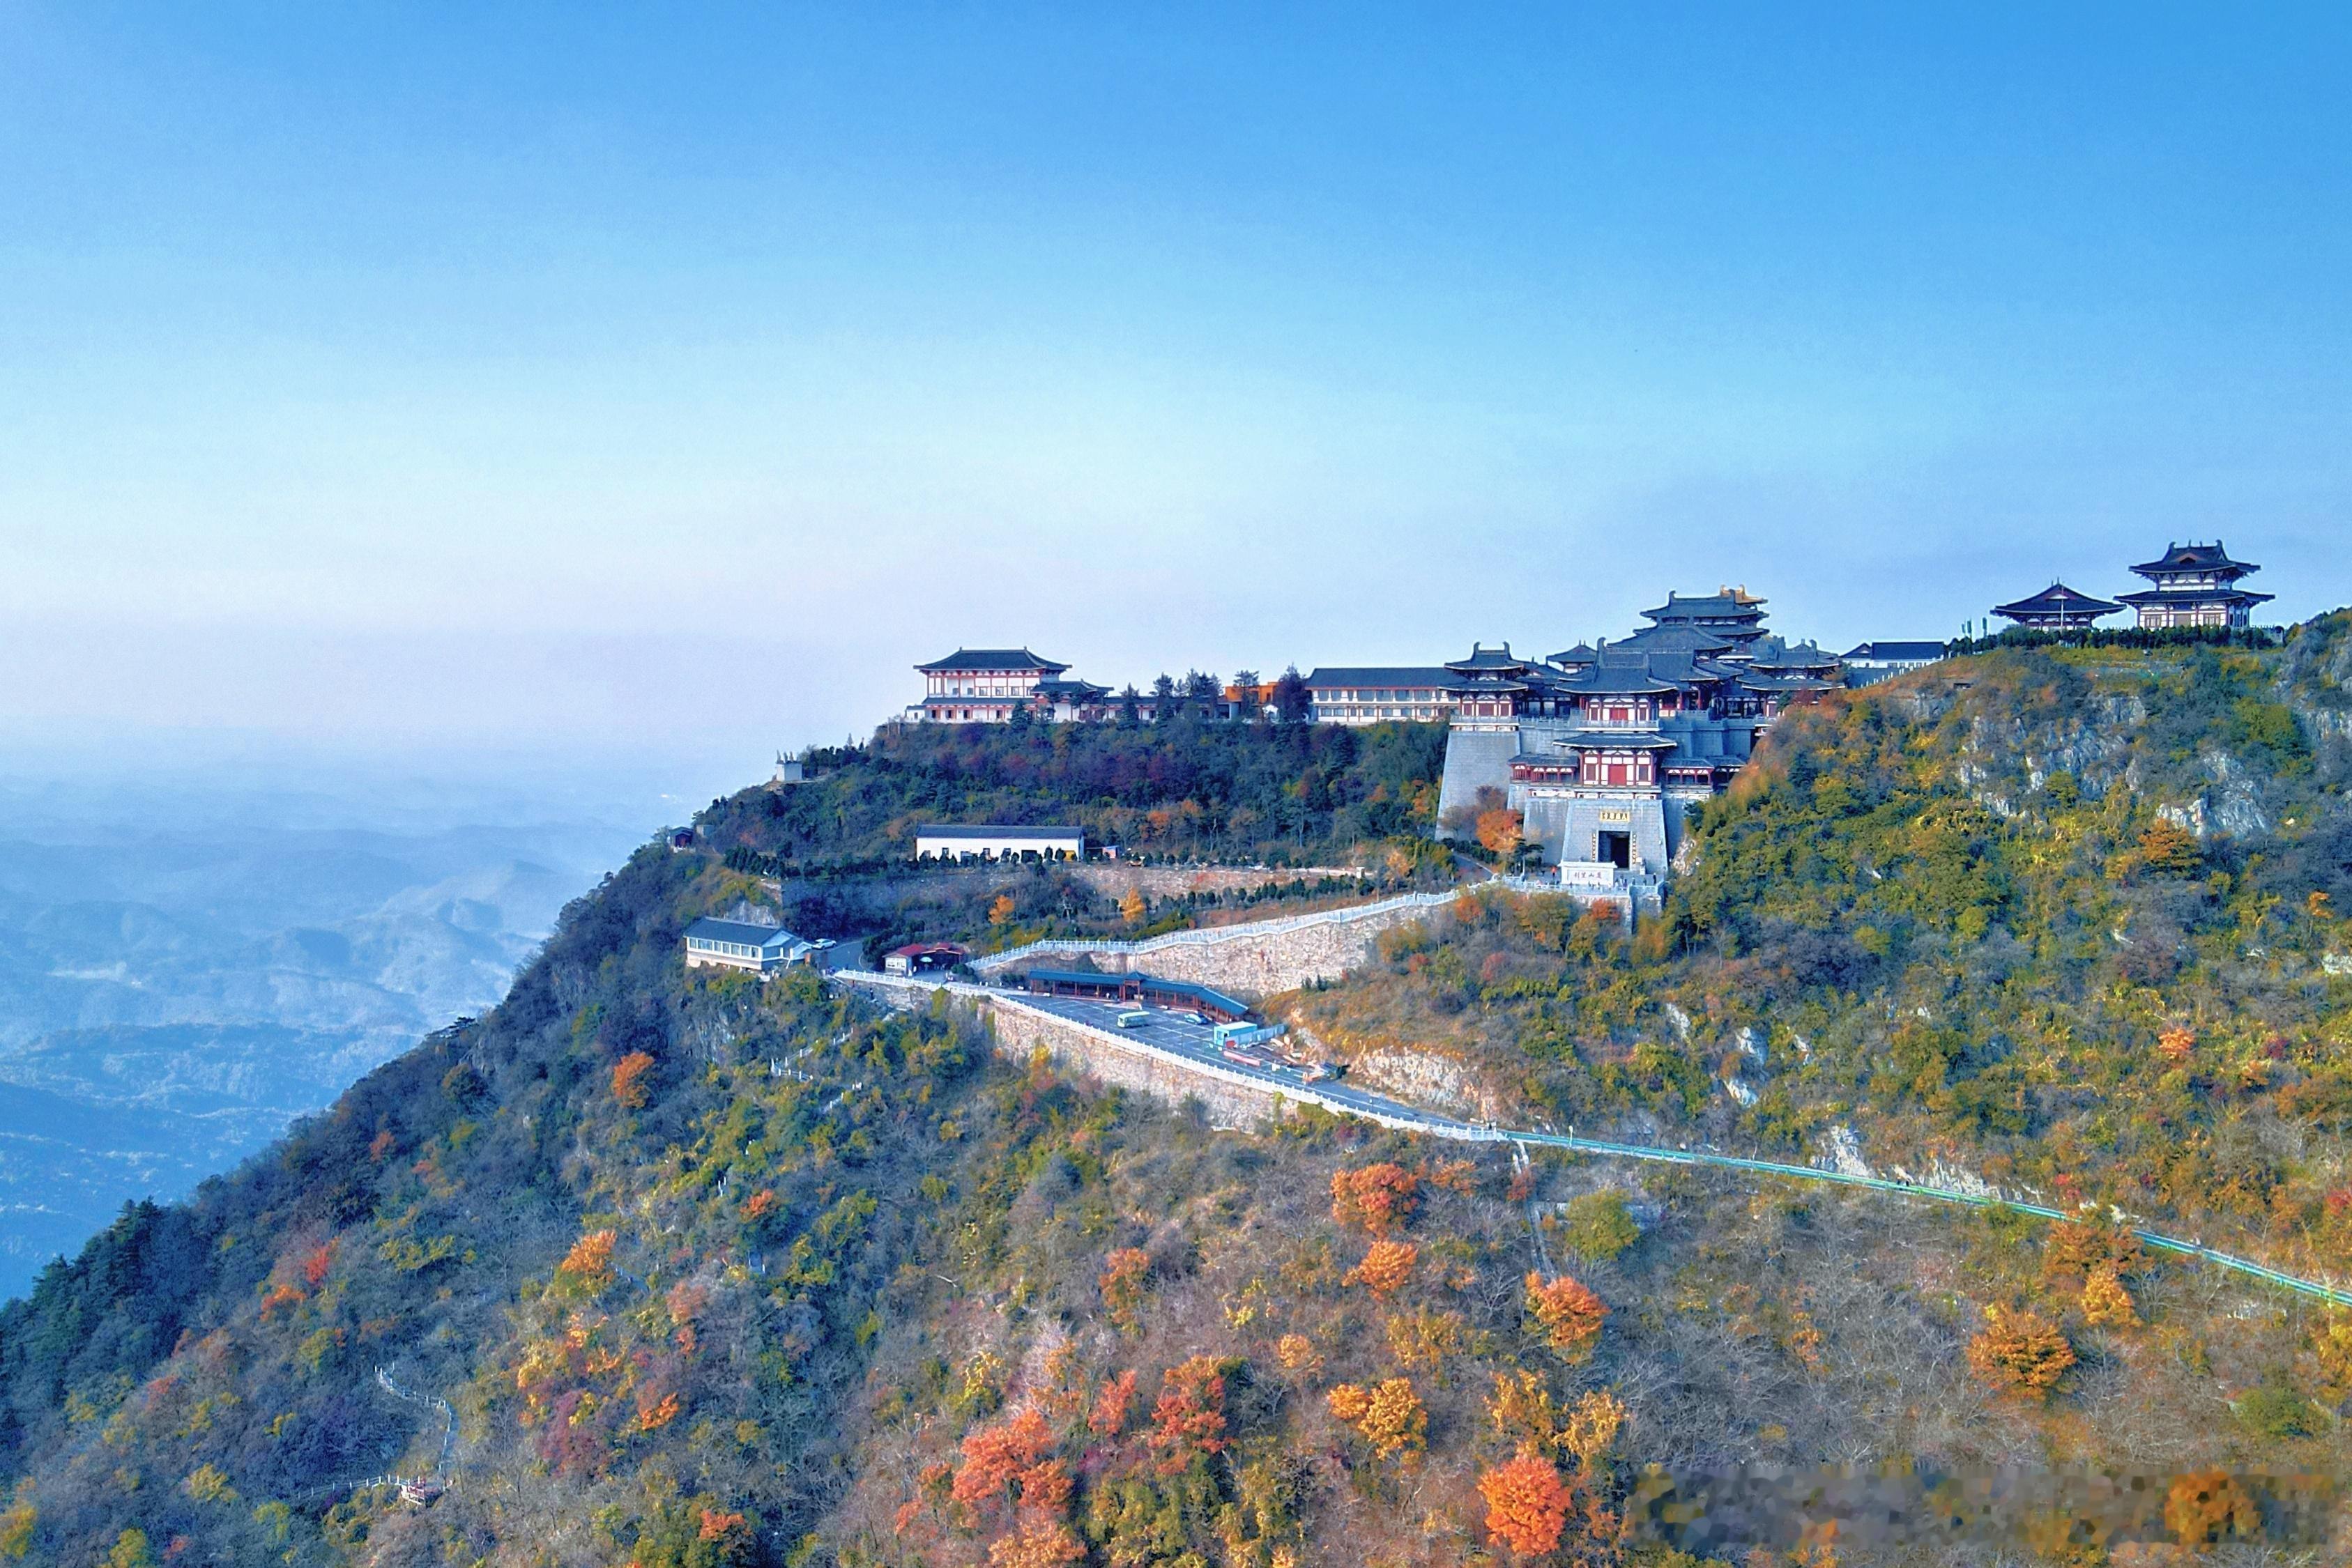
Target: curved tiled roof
{"x": 2196, "y": 557}
{"x": 985, "y": 659}
{"x": 2056, "y": 600}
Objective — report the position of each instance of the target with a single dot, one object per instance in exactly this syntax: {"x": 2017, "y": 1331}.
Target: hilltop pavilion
{"x": 2195, "y": 585}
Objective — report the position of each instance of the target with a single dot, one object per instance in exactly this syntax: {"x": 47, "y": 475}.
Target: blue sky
{"x": 679, "y": 376}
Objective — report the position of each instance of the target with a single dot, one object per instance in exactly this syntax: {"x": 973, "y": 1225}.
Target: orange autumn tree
{"x": 2205, "y": 1506}
{"x": 2076, "y": 1249}
{"x": 1378, "y": 1197}
{"x": 1386, "y": 1267}
{"x": 1526, "y": 1503}
{"x": 589, "y": 1265}
{"x": 1189, "y": 1418}
{"x": 1123, "y": 1276}
{"x": 1499, "y": 831}
{"x": 1002, "y": 1462}
{"x": 2020, "y": 1352}
{"x": 629, "y": 1080}
{"x": 1568, "y": 1314}
{"x": 2171, "y": 850}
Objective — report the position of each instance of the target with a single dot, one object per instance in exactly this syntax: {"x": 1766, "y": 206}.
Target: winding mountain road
{"x": 1187, "y": 1047}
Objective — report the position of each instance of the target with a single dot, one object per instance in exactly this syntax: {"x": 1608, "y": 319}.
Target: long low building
{"x": 715, "y": 944}
{"x": 998, "y": 842}
{"x": 1182, "y": 995}
{"x": 1380, "y": 694}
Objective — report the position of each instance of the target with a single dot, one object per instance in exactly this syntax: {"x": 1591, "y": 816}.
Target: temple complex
{"x": 1603, "y": 748}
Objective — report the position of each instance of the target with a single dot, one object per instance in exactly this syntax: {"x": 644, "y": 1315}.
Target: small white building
{"x": 740, "y": 945}
{"x": 997, "y": 842}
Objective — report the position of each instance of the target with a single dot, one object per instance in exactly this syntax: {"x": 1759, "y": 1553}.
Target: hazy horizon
{"x": 531, "y": 379}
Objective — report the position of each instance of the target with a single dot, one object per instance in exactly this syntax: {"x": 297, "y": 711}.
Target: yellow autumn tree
{"x": 2331, "y": 1343}
{"x": 1394, "y": 1420}
{"x": 2205, "y": 1506}
{"x": 2105, "y": 1302}
{"x": 1521, "y": 1411}
{"x": 2020, "y": 1352}
{"x": 1591, "y": 1426}
{"x": 1132, "y": 907}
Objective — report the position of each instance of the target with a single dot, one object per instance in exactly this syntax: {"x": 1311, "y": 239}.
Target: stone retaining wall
{"x": 1259, "y": 964}
{"x": 1113, "y": 879}
{"x": 1229, "y": 1099}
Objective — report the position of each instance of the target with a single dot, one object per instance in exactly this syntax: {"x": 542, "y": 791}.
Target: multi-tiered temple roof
{"x": 2195, "y": 585}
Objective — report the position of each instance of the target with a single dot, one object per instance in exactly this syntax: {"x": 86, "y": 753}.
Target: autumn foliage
{"x": 1377, "y": 1198}
{"x": 2205, "y": 1506}
{"x": 1006, "y": 1463}
{"x": 1189, "y": 1416}
{"x": 1568, "y": 1314}
{"x": 1123, "y": 1276}
{"x": 2105, "y": 1302}
{"x": 1526, "y": 1503}
{"x": 589, "y": 1262}
{"x": 1386, "y": 1267}
{"x": 2020, "y": 1352}
{"x": 2171, "y": 850}
{"x": 629, "y": 1080}
{"x": 1108, "y": 1417}
{"x": 1389, "y": 1415}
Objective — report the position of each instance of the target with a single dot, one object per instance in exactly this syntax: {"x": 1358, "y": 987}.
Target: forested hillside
{"x": 1290, "y": 793}
{"x": 711, "y": 1273}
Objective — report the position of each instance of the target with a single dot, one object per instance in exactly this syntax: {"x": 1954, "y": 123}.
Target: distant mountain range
{"x": 174, "y": 993}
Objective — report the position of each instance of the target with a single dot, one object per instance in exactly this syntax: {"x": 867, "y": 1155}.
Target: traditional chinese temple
{"x": 2056, "y": 608}
{"x": 2194, "y": 585}
{"x": 984, "y": 685}
{"x": 1603, "y": 748}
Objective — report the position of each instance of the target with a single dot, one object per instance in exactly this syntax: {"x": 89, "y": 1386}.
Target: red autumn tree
{"x": 1111, "y": 1402}
{"x": 1189, "y": 1416}
{"x": 1378, "y": 1197}
{"x": 316, "y": 1262}
{"x": 1526, "y": 1503}
{"x": 995, "y": 1457}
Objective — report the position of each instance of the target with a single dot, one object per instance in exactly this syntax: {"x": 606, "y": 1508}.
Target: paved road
{"x": 1167, "y": 1030}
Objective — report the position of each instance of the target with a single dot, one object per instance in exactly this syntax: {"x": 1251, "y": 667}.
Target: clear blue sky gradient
{"x": 679, "y": 376}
